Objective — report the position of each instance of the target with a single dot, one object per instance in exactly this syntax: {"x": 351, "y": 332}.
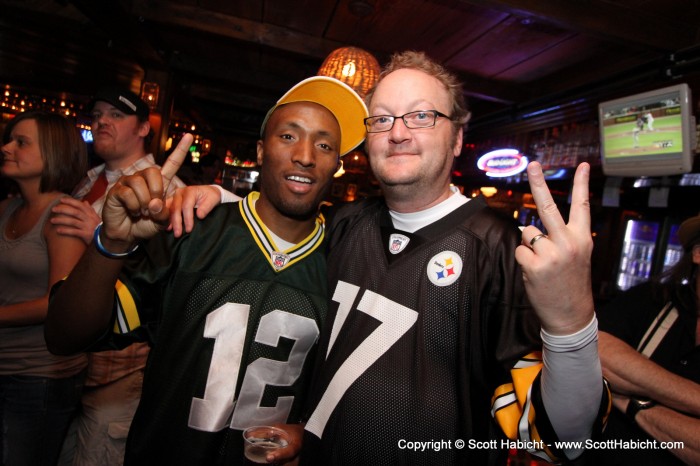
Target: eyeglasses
{"x": 412, "y": 120}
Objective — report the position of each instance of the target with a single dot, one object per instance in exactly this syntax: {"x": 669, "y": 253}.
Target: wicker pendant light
{"x": 355, "y": 67}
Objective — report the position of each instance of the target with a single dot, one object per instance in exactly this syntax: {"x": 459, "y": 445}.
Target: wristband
{"x": 638, "y": 404}
{"x": 101, "y": 249}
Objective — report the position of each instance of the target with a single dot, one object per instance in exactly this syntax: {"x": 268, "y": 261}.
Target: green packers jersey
{"x": 236, "y": 324}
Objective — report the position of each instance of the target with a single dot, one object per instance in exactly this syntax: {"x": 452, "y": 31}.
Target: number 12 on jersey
{"x": 227, "y": 325}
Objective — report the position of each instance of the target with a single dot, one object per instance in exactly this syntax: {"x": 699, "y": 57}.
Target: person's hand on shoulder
{"x": 187, "y": 200}
{"x": 75, "y": 218}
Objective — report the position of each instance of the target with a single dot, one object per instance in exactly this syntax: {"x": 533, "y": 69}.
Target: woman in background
{"x": 45, "y": 157}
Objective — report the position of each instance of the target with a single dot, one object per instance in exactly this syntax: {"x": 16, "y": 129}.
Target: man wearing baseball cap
{"x": 345, "y": 107}
{"x": 238, "y": 302}
{"x": 123, "y": 100}
{"x": 120, "y": 129}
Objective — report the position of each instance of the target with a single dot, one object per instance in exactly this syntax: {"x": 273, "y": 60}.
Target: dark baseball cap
{"x": 123, "y": 100}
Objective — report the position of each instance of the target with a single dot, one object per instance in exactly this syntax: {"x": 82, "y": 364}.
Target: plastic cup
{"x": 261, "y": 440}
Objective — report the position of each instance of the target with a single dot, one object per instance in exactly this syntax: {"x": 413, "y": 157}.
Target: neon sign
{"x": 502, "y": 162}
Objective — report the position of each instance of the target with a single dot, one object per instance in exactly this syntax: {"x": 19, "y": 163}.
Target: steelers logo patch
{"x": 445, "y": 268}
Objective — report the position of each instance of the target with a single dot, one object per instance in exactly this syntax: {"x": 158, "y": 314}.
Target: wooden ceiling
{"x": 225, "y": 62}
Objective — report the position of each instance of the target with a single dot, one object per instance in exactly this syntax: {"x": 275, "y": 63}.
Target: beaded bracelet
{"x": 106, "y": 253}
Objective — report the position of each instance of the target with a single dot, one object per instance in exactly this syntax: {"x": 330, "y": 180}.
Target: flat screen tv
{"x": 648, "y": 134}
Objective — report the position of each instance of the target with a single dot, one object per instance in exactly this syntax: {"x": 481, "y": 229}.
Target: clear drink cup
{"x": 261, "y": 440}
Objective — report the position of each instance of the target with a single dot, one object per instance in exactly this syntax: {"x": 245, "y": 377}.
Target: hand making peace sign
{"x": 557, "y": 266}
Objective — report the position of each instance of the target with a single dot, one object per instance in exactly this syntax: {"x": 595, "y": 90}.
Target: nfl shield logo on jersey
{"x": 279, "y": 260}
{"x": 398, "y": 243}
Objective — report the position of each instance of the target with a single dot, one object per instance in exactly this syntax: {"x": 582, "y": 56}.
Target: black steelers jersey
{"x": 422, "y": 328}
{"x": 236, "y": 325}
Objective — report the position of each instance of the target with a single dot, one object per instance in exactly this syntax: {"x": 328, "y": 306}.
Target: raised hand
{"x": 135, "y": 207}
{"x": 557, "y": 267}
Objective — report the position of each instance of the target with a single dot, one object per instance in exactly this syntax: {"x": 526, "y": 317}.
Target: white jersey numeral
{"x": 263, "y": 371}
{"x": 395, "y": 319}
{"x": 227, "y": 326}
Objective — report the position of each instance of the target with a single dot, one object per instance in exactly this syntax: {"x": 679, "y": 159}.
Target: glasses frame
{"x": 437, "y": 114}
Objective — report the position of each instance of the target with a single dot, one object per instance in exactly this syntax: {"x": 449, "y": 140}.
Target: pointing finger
{"x": 177, "y": 158}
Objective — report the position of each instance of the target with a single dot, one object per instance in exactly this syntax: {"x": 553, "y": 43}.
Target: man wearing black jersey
{"x": 423, "y": 337}
{"x": 445, "y": 321}
{"x": 233, "y": 310}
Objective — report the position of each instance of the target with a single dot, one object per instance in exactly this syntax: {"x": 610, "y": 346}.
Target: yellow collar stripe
{"x": 263, "y": 238}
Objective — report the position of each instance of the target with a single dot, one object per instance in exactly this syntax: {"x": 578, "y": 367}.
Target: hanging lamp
{"x": 354, "y": 66}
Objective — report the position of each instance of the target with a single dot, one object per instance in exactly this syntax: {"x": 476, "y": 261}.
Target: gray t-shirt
{"x": 24, "y": 275}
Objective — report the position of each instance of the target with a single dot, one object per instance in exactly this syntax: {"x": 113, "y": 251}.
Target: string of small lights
{"x": 16, "y": 100}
